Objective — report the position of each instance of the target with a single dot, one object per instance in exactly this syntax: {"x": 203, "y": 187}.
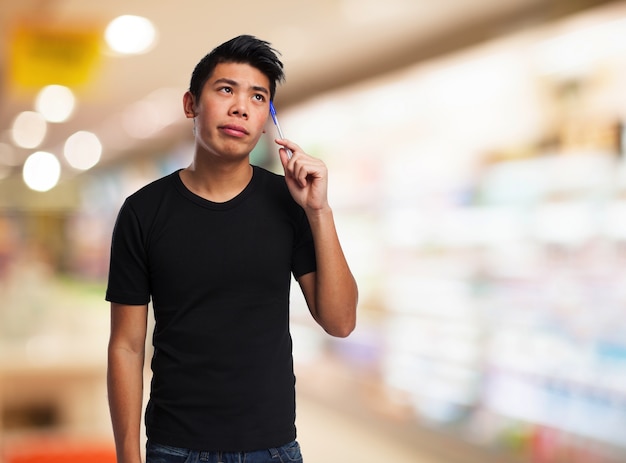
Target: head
{"x": 244, "y": 49}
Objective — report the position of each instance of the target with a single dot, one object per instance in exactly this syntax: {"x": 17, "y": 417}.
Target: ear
{"x": 189, "y": 105}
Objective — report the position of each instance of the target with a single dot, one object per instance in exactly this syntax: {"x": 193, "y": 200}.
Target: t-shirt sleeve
{"x": 128, "y": 281}
{"x": 304, "y": 250}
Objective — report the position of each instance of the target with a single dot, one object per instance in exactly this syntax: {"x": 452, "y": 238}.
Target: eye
{"x": 259, "y": 97}
{"x": 226, "y": 89}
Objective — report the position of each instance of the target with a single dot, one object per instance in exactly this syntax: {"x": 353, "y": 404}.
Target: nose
{"x": 239, "y": 108}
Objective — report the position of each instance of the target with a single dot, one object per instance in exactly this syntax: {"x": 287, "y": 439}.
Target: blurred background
{"x": 476, "y": 153}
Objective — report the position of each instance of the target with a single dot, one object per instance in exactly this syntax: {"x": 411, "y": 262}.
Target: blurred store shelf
{"x": 345, "y": 416}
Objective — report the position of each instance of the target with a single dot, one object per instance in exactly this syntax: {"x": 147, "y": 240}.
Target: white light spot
{"x": 42, "y": 171}
{"x": 29, "y": 129}
{"x": 130, "y": 35}
{"x": 55, "y": 103}
{"x": 82, "y": 150}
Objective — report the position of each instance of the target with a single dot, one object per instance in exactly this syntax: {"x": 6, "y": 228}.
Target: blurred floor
{"x": 330, "y": 436}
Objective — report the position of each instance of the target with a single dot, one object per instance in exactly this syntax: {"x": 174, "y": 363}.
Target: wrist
{"x": 318, "y": 217}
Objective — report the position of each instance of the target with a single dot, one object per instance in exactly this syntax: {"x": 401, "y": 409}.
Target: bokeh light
{"x": 29, "y": 129}
{"x": 82, "y": 150}
{"x": 130, "y": 35}
{"x": 42, "y": 171}
{"x": 55, "y": 103}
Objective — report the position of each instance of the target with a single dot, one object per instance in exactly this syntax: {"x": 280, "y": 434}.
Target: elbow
{"x": 342, "y": 328}
{"x": 338, "y": 318}
{"x": 342, "y": 331}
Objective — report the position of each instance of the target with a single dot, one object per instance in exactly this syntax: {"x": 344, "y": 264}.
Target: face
{"x": 230, "y": 115}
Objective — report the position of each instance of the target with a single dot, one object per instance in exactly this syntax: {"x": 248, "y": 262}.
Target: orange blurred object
{"x": 52, "y": 450}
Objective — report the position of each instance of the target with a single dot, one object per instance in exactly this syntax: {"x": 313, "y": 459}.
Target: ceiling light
{"x": 29, "y": 129}
{"x": 130, "y": 35}
{"x": 41, "y": 171}
{"x": 55, "y": 103}
{"x": 82, "y": 150}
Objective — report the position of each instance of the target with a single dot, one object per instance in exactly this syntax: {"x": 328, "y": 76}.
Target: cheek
{"x": 261, "y": 119}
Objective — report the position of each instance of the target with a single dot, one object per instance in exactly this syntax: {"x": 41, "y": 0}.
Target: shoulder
{"x": 154, "y": 189}
{"x": 274, "y": 189}
{"x": 146, "y": 202}
{"x": 266, "y": 175}
{"x": 270, "y": 181}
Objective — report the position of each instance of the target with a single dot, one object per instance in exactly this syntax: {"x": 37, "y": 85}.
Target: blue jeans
{"x": 156, "y": 453}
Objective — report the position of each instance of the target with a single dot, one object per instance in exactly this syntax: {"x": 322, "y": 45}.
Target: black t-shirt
{"x": 219, "y": 276}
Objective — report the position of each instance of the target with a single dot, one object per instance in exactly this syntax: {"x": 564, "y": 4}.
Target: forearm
{"x": 125, "y": 390}
{"x": 336, "y": 292}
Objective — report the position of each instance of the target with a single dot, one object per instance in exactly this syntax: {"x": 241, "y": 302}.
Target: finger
{"x": 284, "y": 158}
{"x": 301, "y": 173}
{"x": 287, "y": 144}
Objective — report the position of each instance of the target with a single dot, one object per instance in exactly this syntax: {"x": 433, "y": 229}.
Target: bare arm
{"x": 126, "y": 354}
{"x": 331, "y": 292}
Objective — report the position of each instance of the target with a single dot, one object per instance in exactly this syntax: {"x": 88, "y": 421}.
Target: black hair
{"x": 245, "y": 49}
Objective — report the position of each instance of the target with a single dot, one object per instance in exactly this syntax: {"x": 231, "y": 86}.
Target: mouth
{"x": 234, "y": 130}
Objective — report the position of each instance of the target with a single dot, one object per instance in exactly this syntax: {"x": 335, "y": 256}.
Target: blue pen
{"x": 280, "y": 132}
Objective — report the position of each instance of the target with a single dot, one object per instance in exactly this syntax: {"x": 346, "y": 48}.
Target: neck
{"x": 217, "y": 181}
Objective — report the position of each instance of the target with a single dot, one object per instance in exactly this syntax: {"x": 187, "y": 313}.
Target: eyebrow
{"x": 234, "y": 83}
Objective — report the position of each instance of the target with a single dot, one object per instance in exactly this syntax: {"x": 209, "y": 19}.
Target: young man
{"x": 214, "y": 246}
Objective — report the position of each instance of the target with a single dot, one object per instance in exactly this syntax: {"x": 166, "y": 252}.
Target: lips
{"x": 234, "y": 130}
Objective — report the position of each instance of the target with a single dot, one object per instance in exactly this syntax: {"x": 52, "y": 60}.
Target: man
{"x": 214, "y": 246}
